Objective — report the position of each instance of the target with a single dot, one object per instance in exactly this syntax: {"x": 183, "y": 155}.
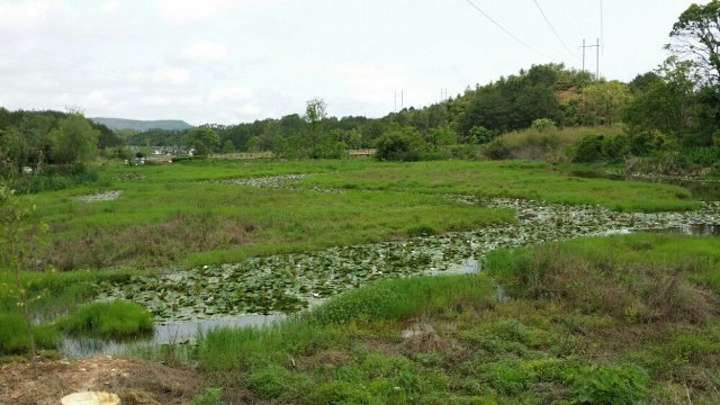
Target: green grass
{"x": 108, "y": 320}
{"x": 514, "y": 179}
{"x": 559, "y": 340}
{"x": 54, "y": 293}
{"x": 179, "y": 214}
{"x": 14, "y": 339}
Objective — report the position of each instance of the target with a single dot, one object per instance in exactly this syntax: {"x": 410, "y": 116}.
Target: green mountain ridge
{"x": 116, "y": 124}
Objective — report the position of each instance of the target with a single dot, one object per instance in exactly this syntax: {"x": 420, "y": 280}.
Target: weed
{"x": 611, "y": 384}
{"x": 210, "y": 396}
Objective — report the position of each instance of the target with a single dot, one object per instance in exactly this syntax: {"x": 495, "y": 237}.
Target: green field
{"x": 582, "y": 321}
{"x": 193, "y": 212}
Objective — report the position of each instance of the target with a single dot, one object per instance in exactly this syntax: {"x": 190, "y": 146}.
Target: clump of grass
{"x": 109, "y": 320}
{"x": 14, "y": 338}
{"x": 611, "y": 384}
{"x": 402, "y": 298}
{"x": 607, "y": 279}
{"x": 420, "y": 230}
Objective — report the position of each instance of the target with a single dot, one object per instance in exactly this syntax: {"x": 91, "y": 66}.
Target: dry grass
{"x": 635, "y": 291}
{"x": 154, "y": 245}
{"x": 549, "y": 144}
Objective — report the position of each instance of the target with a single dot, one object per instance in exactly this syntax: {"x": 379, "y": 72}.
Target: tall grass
{"x": 14, "y": 338}
{"x": 109, "y": 320}
{"x": 389, "y": 300}
{"x": 549, "y": 144}
{"x": 607, "y": 275}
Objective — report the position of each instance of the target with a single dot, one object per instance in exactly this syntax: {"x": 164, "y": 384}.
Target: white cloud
{"x": 108, "y": 7}
{"x": 25, "y": 12}
{"x": 155, "y": 101}
{"x": 230, "y": 93}
{"x": 179, "y": 11}
{"x": 96, "y": 99}
{"x": 172, "y": 75}
{"x": 207, "y": 51}
{"x": 250, "y": 109}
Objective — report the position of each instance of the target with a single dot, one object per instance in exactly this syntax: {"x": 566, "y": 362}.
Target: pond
{"x": 224, "y": 295}
{"x": 169, "y": 333}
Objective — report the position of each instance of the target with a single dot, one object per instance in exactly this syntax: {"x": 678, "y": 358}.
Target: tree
{"x": 228, "y": 147}
{"x": 604, "y": 102}
{"x": 696, "y": 37}
{"x": 19, "y": 243}
{"x": 204, "y": 139}
{"x": 315, "y": 111}
{"x": 75, "y": 140}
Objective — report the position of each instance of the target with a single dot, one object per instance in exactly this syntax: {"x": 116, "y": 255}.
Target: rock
{"x": 90, "y": 398}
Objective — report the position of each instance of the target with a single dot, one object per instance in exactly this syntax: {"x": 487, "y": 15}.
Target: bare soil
{"x": 135, "y": 381}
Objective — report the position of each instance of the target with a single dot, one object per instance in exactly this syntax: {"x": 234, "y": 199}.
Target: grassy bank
{"x": 649, "y": 333}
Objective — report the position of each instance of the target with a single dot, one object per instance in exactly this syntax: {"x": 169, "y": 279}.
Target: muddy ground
{"x": 135, "y": 381}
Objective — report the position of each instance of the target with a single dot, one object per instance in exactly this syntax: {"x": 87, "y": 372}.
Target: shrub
{"x": 497, "y": 150}
{"x": 615, "y": 148}
{"x": 480, "y": 135}
{"x": 544, "y": 125}
{"x": 400, "y": 144}
{"x": 55, "y": 179}
{"x": 589, "y": 149}
{"x": 646, "y": 142}
{"x": 116, "y": 319}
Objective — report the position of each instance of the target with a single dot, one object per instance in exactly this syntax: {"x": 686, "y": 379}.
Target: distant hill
{"x": 138, "y": 125}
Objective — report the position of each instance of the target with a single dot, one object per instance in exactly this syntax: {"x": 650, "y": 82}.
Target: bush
{"x": 544, "y": 125}
{"x": 497, "y": 150}
{"x": 480, "y": 135}
{"x": 116, "y": 319}
{"x": 400, "y": 144}
{"x": 601, "y": 148}
{"x": 55, "y": 178}
{"x": 589, "y": 149}
{"x": 646, "y": 142}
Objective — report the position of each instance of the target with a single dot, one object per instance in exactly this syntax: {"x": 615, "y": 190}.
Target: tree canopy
{"x": 696, "y": 36}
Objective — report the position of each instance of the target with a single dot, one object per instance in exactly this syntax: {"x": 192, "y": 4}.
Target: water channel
{"x": 187, "y": 301}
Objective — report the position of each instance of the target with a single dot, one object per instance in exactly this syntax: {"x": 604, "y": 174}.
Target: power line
{"x": 547, "y": 20}
{"x": 505, "y": 30}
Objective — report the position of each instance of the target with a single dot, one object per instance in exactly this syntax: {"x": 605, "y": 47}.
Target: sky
{"x": 226, "y": 62}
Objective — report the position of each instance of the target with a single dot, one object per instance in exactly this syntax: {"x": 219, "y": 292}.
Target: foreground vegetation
{"x": 586, "y": 321}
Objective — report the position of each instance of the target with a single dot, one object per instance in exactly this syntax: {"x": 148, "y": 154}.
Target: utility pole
{"x": 395, "y": 110}
{"x": 597, "y": 57}
{"x": 597, "y": 60}
{"x": 402, "y": 99}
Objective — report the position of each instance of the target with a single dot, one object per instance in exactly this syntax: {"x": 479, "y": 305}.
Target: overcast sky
{"x": 223, "y": 61}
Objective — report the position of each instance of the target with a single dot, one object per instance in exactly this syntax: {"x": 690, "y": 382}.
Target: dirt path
{"x": 135, "y": 381}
